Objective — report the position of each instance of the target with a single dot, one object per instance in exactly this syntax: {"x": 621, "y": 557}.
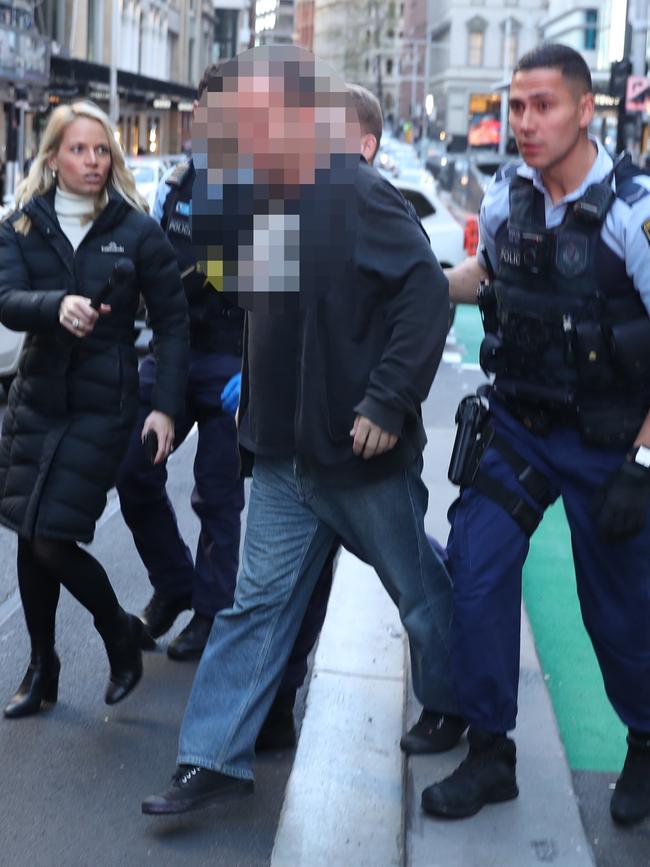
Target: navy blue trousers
{"x": 486, "y": 553}
{"x": 217, "y": 499}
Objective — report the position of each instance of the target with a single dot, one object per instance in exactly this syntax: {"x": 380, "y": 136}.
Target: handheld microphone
{"x": 123, "y": 270}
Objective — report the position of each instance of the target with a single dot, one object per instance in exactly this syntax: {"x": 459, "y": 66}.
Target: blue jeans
{"x": 292, "y": 525}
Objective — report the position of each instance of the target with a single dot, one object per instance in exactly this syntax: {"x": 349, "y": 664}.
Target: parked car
{"x": 444, "y": 231}
{"x": 466, "y": 175}
{"x": 147, "y": 172}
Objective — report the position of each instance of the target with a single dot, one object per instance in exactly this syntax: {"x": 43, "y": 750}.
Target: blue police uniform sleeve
{"x": 636, "y": 228}
{"x": 161, "y": 195}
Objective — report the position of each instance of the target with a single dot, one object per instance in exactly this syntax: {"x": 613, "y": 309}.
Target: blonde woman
{"x": 73, "y": 403}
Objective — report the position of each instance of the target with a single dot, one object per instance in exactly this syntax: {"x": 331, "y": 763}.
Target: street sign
{"x": 638, "y": 90}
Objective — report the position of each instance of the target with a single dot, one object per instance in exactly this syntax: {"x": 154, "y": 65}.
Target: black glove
{"x": 620, "y": 506}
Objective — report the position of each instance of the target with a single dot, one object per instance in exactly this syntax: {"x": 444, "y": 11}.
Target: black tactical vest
{"x": 566, "y": 331}
{"x": 215, "y": 323}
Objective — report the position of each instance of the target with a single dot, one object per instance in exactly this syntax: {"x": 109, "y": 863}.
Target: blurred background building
{"x": 439, "y": 67}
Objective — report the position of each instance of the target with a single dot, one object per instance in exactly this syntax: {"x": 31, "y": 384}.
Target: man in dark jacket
{"x": 207, "y": 583}
{"x": 333, "y": 377}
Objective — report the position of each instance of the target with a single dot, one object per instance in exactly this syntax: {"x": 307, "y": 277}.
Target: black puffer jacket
{"x": 73, "y": 403}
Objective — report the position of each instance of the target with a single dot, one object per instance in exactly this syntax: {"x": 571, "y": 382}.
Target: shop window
{"x": 475, "y": 42}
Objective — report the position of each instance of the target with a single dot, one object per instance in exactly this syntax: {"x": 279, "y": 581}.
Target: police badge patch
{"x": 572, "y": 254}
{"x": 646, "y": 230}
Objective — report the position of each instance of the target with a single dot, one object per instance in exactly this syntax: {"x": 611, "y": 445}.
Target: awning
{"x": 70, "y": 77}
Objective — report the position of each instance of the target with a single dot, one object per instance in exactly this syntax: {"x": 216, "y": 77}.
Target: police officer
{"x": 205, "y": 584}
{"x": 565, "y": 240}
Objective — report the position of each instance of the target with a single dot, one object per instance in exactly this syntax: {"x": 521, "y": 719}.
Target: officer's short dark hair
{"x": 210, "y": 72}
{"x": 368, "y": 110}
{"x": 553, "y": 55}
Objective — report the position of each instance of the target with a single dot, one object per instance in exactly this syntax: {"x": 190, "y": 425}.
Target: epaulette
{"x": 175, "y": 179}
{"x": 630, "y": 192}
{"x": 507, "y": 170}
{"x": 627, "y": 187}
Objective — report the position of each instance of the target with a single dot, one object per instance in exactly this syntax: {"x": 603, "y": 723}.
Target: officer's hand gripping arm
{"x": 464, "y": 280}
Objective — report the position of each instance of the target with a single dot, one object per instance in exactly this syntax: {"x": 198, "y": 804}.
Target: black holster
{"x": 473, "y": 436}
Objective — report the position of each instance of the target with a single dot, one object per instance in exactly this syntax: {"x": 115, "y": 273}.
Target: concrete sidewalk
{"x": 354, "y": 800}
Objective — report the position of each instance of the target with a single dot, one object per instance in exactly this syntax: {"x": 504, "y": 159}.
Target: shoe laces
{"x": 183, "y": 777}
{"x": 430, "y": 722}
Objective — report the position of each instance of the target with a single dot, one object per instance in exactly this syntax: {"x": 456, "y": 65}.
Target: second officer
{"x": 206, "y": 582}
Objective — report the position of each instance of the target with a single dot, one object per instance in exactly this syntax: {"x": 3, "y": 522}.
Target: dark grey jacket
{"x": 73, "y": 403}
{"x": 367, "y": 341}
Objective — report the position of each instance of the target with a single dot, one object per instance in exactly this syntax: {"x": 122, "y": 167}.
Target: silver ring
{"x": 75, "y": 323}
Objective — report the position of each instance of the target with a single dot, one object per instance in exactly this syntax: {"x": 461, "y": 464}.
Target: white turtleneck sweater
{"x": 74, "y": 214}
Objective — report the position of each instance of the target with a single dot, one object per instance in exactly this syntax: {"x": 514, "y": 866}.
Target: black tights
{"x": 43, "y": 566}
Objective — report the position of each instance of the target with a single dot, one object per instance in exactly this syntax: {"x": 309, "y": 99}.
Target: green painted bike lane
{"x": 593, "y": 736}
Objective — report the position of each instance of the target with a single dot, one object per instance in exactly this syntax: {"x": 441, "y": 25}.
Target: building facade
{"x": 24, "y": 79}
{"x": 473, "y": 46}
{"x": 274, "y": 22}
{"x": 362, "y": 42}
{"x": 162, "y": 48}
{"x": 303, "y": 29}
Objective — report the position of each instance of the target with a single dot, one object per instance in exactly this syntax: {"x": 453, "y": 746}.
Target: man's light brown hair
{"x": 368, "y": 110}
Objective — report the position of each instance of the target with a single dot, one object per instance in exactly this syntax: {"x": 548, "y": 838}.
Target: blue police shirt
{"x": 161, "y": 194}
{"x": 626, "y": 229}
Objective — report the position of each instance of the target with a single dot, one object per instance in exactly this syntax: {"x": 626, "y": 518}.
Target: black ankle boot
{"x": 278, "y": 730}
{"x": 486, "y": 776}
{"x": 40, "y": 685}
{"x": 190, "y": 643}
{"x": 631, "y": 799}
{"x": 124, "y": 649}
{"x": 161, "y": 612}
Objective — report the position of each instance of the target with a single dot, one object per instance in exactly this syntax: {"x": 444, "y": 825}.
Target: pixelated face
{"x": 274, "y": 117}
{"x": 276, "y": 130}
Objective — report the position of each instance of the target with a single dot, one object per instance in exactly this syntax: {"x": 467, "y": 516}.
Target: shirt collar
{"x": 601, "y": 167}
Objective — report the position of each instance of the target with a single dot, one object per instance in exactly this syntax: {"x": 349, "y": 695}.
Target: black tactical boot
{"x": 631, "y": 799}
{"x": 193, "y": 787}
{"x": 39, "y": 686}
{"x": 161, "y": 612}
{"x": 190, "y": 643}
{"x": 433, "y": 733}
{"x": 486, "y": 776}
{"x": 278, "y": 731}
